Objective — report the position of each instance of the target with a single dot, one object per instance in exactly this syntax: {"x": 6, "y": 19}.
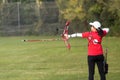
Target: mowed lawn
{"x": 50, "y": 60}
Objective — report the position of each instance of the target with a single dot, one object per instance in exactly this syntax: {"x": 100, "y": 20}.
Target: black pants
{"x": 92, "y": 60}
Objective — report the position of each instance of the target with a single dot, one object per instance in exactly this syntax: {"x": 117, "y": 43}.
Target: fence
{"x": 33, "y": 19}
{"x": 28, "y": 19}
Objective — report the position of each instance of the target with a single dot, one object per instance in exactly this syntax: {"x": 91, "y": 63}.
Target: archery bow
{"x": 65, "y": 35}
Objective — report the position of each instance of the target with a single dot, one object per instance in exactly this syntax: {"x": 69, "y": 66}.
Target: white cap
{"x": 96, "y": 24}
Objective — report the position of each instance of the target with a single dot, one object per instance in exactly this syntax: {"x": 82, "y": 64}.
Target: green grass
{"x": 51, "y": 60}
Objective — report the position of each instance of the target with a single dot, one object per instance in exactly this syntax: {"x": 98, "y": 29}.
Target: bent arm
{"x": 106, "y": 29}
{"x": 75, "y": 35}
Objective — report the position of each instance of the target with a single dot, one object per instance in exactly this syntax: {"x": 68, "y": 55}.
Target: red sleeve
{"x": 85, "y": 34}
{"x": 104, "y": 33}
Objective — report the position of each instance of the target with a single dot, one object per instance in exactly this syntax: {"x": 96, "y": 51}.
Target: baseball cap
{"x": 96, "y": 24}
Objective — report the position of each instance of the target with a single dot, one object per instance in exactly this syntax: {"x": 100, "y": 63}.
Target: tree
{"x": 114, "y": 9}
{"x": 71, "y": 9}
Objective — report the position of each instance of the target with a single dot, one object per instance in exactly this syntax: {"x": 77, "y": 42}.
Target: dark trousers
{"x": 92, "y": 60}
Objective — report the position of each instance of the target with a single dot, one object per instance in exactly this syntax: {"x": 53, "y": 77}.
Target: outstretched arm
{"x": 75, "y": 35}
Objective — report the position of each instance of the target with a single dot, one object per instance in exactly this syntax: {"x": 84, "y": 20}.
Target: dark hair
{"x": 100, "y": 32}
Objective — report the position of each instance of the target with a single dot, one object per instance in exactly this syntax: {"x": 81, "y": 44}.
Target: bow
{"x": 65, "y": 35}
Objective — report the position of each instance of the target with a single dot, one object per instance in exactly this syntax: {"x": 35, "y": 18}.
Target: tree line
{"x": 85, "y": 11}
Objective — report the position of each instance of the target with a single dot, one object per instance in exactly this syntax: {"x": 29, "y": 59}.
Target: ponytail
{"x": 100, "y": 32}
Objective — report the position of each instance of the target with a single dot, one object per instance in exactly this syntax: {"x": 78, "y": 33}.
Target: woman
{"x": 95, "y": 51}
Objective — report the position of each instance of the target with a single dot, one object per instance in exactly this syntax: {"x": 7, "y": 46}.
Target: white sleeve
{"x": 105, "y": 29}
{"x": 75, "y": 35}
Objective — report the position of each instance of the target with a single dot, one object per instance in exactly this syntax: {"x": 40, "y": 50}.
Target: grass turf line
{"x": 51, "y": 60}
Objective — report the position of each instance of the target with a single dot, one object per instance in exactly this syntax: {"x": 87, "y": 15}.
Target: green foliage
{"x": 105, "y": 11}
{"x": 84, "y": 11}
{"x": 114, "y": 9}
{"x": 71, "y": 9}
{"x": 95, "y": 9}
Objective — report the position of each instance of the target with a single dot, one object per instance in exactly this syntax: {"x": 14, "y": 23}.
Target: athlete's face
{"x": 93, "y": 29}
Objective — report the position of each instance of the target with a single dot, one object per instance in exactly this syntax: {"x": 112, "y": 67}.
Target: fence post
{"x": 18, "y": 6}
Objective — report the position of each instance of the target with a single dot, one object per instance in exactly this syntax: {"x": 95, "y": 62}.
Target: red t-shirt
{"x": 94, "y": 43}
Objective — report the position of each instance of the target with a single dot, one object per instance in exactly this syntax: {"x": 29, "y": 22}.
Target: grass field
{"x": 51, "y": 60}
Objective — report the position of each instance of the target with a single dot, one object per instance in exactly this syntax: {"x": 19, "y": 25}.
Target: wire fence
{"x": 19, "y": 19}
{"x": 29, "y": 19}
